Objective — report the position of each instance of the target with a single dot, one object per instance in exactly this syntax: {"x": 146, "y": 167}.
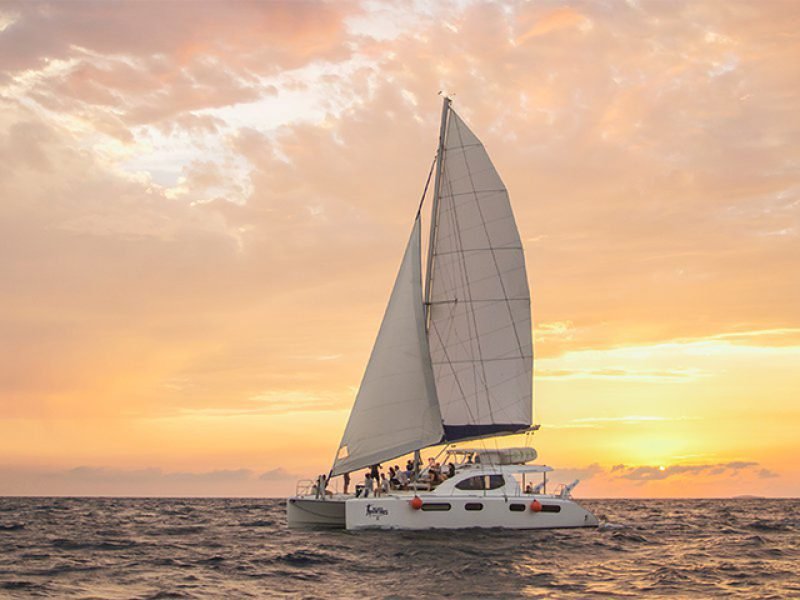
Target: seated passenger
{"x": 402, "y": 479}
{"x": 451, "y": 469}
{"x": 433, "y": 479}
{"x": 394, "y": 477}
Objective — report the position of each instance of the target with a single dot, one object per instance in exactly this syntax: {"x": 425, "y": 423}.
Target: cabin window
{"x": 551, "y": 508}
{"x": 481, "y": 482}
{"x": 471, "y": 483}
{"x": 436, "y": 506}
{"x": 496, "y": 481}
{"x": 516, "y": 507}
{"x": 473, "y": 506}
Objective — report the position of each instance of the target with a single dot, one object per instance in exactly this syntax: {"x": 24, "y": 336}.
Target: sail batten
{"x": 396, "y": 410}
{"x": 479, "y": 303}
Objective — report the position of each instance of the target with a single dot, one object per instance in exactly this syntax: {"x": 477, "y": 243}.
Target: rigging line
{"x": 479, "y": 249}
{"x": 464, "y": 362}
{"x": 466, "y": 276}
{"x": 462, "y": 146}
{"x": 457, "y": 301}
{"x": 494, "y": 256}
{"x": 427, "y": 183}
{"x": 479, "y": 192}
{"x": 437, "y": 189}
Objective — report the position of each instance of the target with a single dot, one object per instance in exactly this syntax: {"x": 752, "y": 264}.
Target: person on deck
{"x": 433, "y": 478}
{"x": 451, "y": 469}
{"x": 346, "y": 482}
{"x": 402, "y": 479}
{"x": 320, "y": 488}
{"x": 369, "y": 485}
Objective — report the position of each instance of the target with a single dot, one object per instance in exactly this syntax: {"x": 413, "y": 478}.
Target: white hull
{"x": 396, "y": 512}
{"x": 311, "y": 512}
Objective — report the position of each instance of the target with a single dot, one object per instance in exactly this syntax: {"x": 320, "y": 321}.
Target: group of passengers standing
{"x": 376, "y": 482}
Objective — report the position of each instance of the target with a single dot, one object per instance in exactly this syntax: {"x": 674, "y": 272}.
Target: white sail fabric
{"x": 480, "y": 317}
{"x": 395, "y": 411}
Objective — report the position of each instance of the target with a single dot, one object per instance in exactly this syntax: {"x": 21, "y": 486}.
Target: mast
{"x": 435, "y": 206}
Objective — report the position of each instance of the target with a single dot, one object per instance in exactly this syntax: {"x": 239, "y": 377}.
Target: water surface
{"x": 214, "y": 548}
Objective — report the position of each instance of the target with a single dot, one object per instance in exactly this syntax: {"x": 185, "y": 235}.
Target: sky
{"x": 203, "y": 206}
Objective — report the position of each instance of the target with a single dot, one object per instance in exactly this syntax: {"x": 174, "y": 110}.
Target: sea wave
{"x": 178, "y": 548}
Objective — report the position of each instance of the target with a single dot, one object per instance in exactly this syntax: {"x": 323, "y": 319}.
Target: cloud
{"x": 569, "y": 474}
{"x": 90, "y": 480}
{"x": 42, "y": 32}
{"x": 554, "y": 21}
{"x": 767, "y": 474}
{"x": 621, "y": 374}
{"x": 655, "y": 473}
{"x": 628, "y": 419}
{"x": 720, "y": 479}
{"x": 188, "y": 210}
{"x": 109, "y": 475}
{"x": 602, "y": 422}
{"x": 277, "y": 474}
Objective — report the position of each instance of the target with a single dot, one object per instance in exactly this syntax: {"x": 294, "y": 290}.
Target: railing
{"x": 305, "y": 487}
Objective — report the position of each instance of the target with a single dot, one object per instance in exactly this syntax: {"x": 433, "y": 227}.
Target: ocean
{"x": 241, "y": 548}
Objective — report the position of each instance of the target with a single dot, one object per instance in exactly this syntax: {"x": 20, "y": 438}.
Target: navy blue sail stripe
{"x": 453, "y": 433}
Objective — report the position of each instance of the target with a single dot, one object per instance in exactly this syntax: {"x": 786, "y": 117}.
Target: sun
{"x": 662, "y": 468}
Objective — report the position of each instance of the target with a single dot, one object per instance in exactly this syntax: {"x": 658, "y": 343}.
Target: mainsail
{"x": 479, "y": 325}
{"x": 395, "y": 411}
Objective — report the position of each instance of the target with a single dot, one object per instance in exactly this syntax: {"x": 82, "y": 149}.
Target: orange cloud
{"x": 553, "y": 21}
{"x": 193, "y": 215}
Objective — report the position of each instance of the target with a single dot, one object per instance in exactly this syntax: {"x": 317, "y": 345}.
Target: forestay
{"x": 395, "y": 411}
{"x": 480, "y": 318}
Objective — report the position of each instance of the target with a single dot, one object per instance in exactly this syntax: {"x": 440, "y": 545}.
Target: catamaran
{"x": 452, "y": 362}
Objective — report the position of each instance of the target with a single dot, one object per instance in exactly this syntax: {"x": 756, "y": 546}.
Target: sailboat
{"x": 452, "y": 363}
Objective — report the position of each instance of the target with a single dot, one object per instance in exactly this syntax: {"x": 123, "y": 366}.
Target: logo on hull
{"x": 376, "y": 511}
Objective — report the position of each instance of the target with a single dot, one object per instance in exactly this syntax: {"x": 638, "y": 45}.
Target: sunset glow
{"x": 202, "y": 213}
